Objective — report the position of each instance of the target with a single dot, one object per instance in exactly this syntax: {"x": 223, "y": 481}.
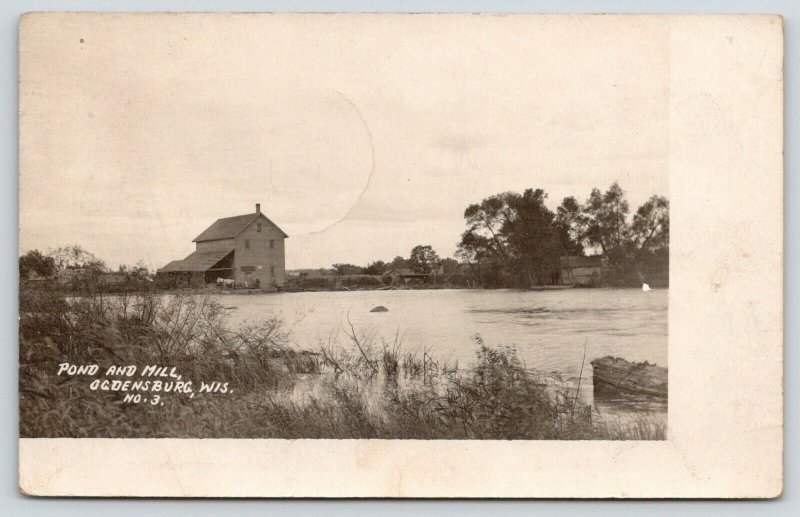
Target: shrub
{"x": 187, "y": 332}
{"x": 317, "y": 282}
{"x": 361, "y": 281}
{"x": 360, "y": 390}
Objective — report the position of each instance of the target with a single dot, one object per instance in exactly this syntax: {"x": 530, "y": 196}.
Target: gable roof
{"x": 230, "y": 227}
{"x": 198, "y": 261}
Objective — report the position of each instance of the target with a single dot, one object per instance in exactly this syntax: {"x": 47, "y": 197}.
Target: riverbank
{"x": 214, "y": 290}
{"x": 332, "y": 286}
{"x": 361, "y": 389}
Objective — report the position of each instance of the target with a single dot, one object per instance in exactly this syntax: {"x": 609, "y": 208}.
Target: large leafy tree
{"x": 423, "y": 259}
{"x": 375, "y": 268}
{"x": 532, "y": 237}
{"x": 631, "y": 244}
{"x": 571, "y": 225}
{"x": 478, "y": 253}
{"x": 604, "y": 223}
{"x": 485, "y": 223}
{"x": 518, "y": 235}
{"x": 450, "y": 266}
{"x": 516, "y": 239}
{"x": 35, "y": 262}
{"x": 75, "y": 257}
{"x": 475, "y": 248}
{"x": 650, "y": 227}
{"x": 397, "y": 263}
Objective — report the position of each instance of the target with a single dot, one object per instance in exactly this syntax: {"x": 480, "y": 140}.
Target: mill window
{"x": 247, "y": 244}
{"x": 271, "y": 243}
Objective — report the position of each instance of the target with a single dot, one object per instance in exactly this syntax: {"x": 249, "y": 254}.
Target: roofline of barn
{"x": 243, "y": 228}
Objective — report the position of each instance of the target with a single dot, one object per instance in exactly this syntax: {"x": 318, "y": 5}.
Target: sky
{"x": 361, "y": 136}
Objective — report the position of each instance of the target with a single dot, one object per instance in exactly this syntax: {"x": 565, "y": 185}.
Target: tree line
{"x": 75, "y": 267}
{"x": 511, "y": 240}
{"x": 423, "y": 260}
{"x": 515, "y": 240}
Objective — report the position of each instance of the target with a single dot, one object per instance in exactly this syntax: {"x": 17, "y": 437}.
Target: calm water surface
{"x": 547, "y": 328}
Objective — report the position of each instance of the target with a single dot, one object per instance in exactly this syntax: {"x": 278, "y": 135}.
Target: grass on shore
{"x": 366, "y": 391}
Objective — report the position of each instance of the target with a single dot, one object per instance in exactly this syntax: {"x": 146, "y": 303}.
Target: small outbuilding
{"x": 407, "y": 276}
{"x": 582, "y": 271}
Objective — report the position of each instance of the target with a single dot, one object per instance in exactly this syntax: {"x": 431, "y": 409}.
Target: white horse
{"x": 224, "y": 282}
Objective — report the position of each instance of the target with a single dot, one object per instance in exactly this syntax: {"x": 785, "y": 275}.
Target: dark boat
{"x": 616, "y": 376}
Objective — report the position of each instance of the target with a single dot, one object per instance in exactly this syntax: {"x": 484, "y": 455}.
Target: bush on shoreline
{"x": 366, "y": 391}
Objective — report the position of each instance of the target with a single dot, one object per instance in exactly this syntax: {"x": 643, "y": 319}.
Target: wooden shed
{"x": 581, "y": 271}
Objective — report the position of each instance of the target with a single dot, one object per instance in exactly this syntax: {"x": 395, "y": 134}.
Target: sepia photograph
{"x": 313, "y": 229}
{"x": 250, "y": 247}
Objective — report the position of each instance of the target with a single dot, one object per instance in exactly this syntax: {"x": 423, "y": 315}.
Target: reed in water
{"x": 364, "y": 390}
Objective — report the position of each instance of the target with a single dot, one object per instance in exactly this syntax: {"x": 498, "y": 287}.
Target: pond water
{"x": 548, "y": 328}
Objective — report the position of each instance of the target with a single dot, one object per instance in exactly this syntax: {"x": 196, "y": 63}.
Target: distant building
{"x": 582, "y": 271}
{"x": 248, "y": 249}
{"x": 404, "y": 276}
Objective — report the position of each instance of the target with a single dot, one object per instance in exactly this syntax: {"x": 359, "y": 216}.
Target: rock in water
{"x": 379, "y": 308}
